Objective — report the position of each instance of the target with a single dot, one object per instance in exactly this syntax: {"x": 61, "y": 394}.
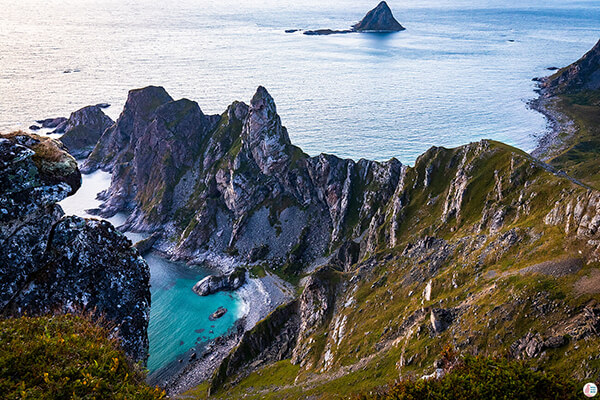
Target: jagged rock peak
{"x": 118, "y": 142}
{"x": 263, "y": 135}
{"x": 379, "y": 19}
{"x": 581, "y": 75}
{"x": 145, "y": 100}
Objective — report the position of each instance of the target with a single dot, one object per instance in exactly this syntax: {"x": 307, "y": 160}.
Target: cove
{"x": 178, "y": 316}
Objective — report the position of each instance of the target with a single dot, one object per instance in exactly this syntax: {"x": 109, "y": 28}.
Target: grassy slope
{"x": 480, "y": 276}
{"x": 64, "y": 357}
{"x": 580, "y": 158}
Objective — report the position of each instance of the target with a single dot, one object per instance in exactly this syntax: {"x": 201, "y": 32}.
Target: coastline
{"x": 559, "y": 127}
{"x": 259, "y": 297}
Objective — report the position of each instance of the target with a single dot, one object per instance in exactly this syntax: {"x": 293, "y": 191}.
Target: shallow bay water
{"x": 178, "y": 317}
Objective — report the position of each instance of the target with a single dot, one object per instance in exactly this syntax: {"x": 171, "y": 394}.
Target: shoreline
{"x": 258, "y": 297}
{"x": 559, "y": 127}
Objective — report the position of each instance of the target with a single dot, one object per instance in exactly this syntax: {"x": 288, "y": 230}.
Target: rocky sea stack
{"x": 379, "y": 19}
{"x": 50, "y": 263}
{"x": 83, "y": 129}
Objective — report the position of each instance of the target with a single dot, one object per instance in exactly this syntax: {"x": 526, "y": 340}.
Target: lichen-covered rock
{"x": 89, "y": 265}
{"x": 49, "y": 264}
{"x": 217, "y": 283}
{"x": 83, "y": 129}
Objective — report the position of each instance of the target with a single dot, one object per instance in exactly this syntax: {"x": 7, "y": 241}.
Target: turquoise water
{"x": 179, "y": 317}
{"x": 177, "y": 314}
{"x": 460, "y": 72}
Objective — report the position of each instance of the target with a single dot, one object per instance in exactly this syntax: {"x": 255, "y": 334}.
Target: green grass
{"x": 483, "y": 378}
{"x": 580, "y": 158}
{"x": 66, "y": 357}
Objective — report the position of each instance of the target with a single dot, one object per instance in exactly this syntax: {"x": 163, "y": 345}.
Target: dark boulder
{"x": 217, "y": 314}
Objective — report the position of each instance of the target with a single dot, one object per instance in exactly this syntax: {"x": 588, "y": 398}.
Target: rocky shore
{"x": 560, "y": 128}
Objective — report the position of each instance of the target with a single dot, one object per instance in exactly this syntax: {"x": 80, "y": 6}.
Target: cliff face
{"x": 481, "y": 247}
{"x": 83, "y": 129}
{"x": 236, "y": 184}
{"x": 584, "y": 74}
{"x": 51, "y": 263}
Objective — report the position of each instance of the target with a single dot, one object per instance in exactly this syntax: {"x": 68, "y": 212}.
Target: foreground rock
{"x": 217, "y": 283}
{"x": 379, "y": 19}
{"x": 83, "y": 130}
{"x": 51, "y": 263}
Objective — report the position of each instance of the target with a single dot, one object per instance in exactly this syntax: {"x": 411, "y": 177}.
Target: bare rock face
{"x": 83, "y": 129}
{"x": 117, "y": 144}
{"x": 584, "y": 74}
{"x": 379, "y": 19}
{"x": 235, "y": 183}
{"x": 51, "y": 263}
{"x": 263, "y": 136}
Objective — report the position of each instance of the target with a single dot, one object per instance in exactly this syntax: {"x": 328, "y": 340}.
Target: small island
{"x": 380, "y": 19}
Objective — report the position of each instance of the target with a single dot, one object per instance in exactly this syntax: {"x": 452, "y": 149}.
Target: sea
{"x": 462, "y": 71}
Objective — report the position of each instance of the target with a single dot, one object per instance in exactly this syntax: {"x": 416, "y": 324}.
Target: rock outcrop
{"x": 52, "y": 123}
{"x": 217, "y": 283}
{"x": 83, "y": 129}
{"x": 584, "y": 74}
{"x": 233, "y": 184}
{"x": 379, "y": 19}
{"x": 50, "y": 263}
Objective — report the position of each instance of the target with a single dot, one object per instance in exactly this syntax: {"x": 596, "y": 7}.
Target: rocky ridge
{"x": 584, "y": 74}
{"x": 51, "y": 263}
{"x": 234, "y": 184}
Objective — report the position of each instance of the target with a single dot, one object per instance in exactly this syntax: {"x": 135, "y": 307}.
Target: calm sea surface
{"x": 460, "y": 72}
